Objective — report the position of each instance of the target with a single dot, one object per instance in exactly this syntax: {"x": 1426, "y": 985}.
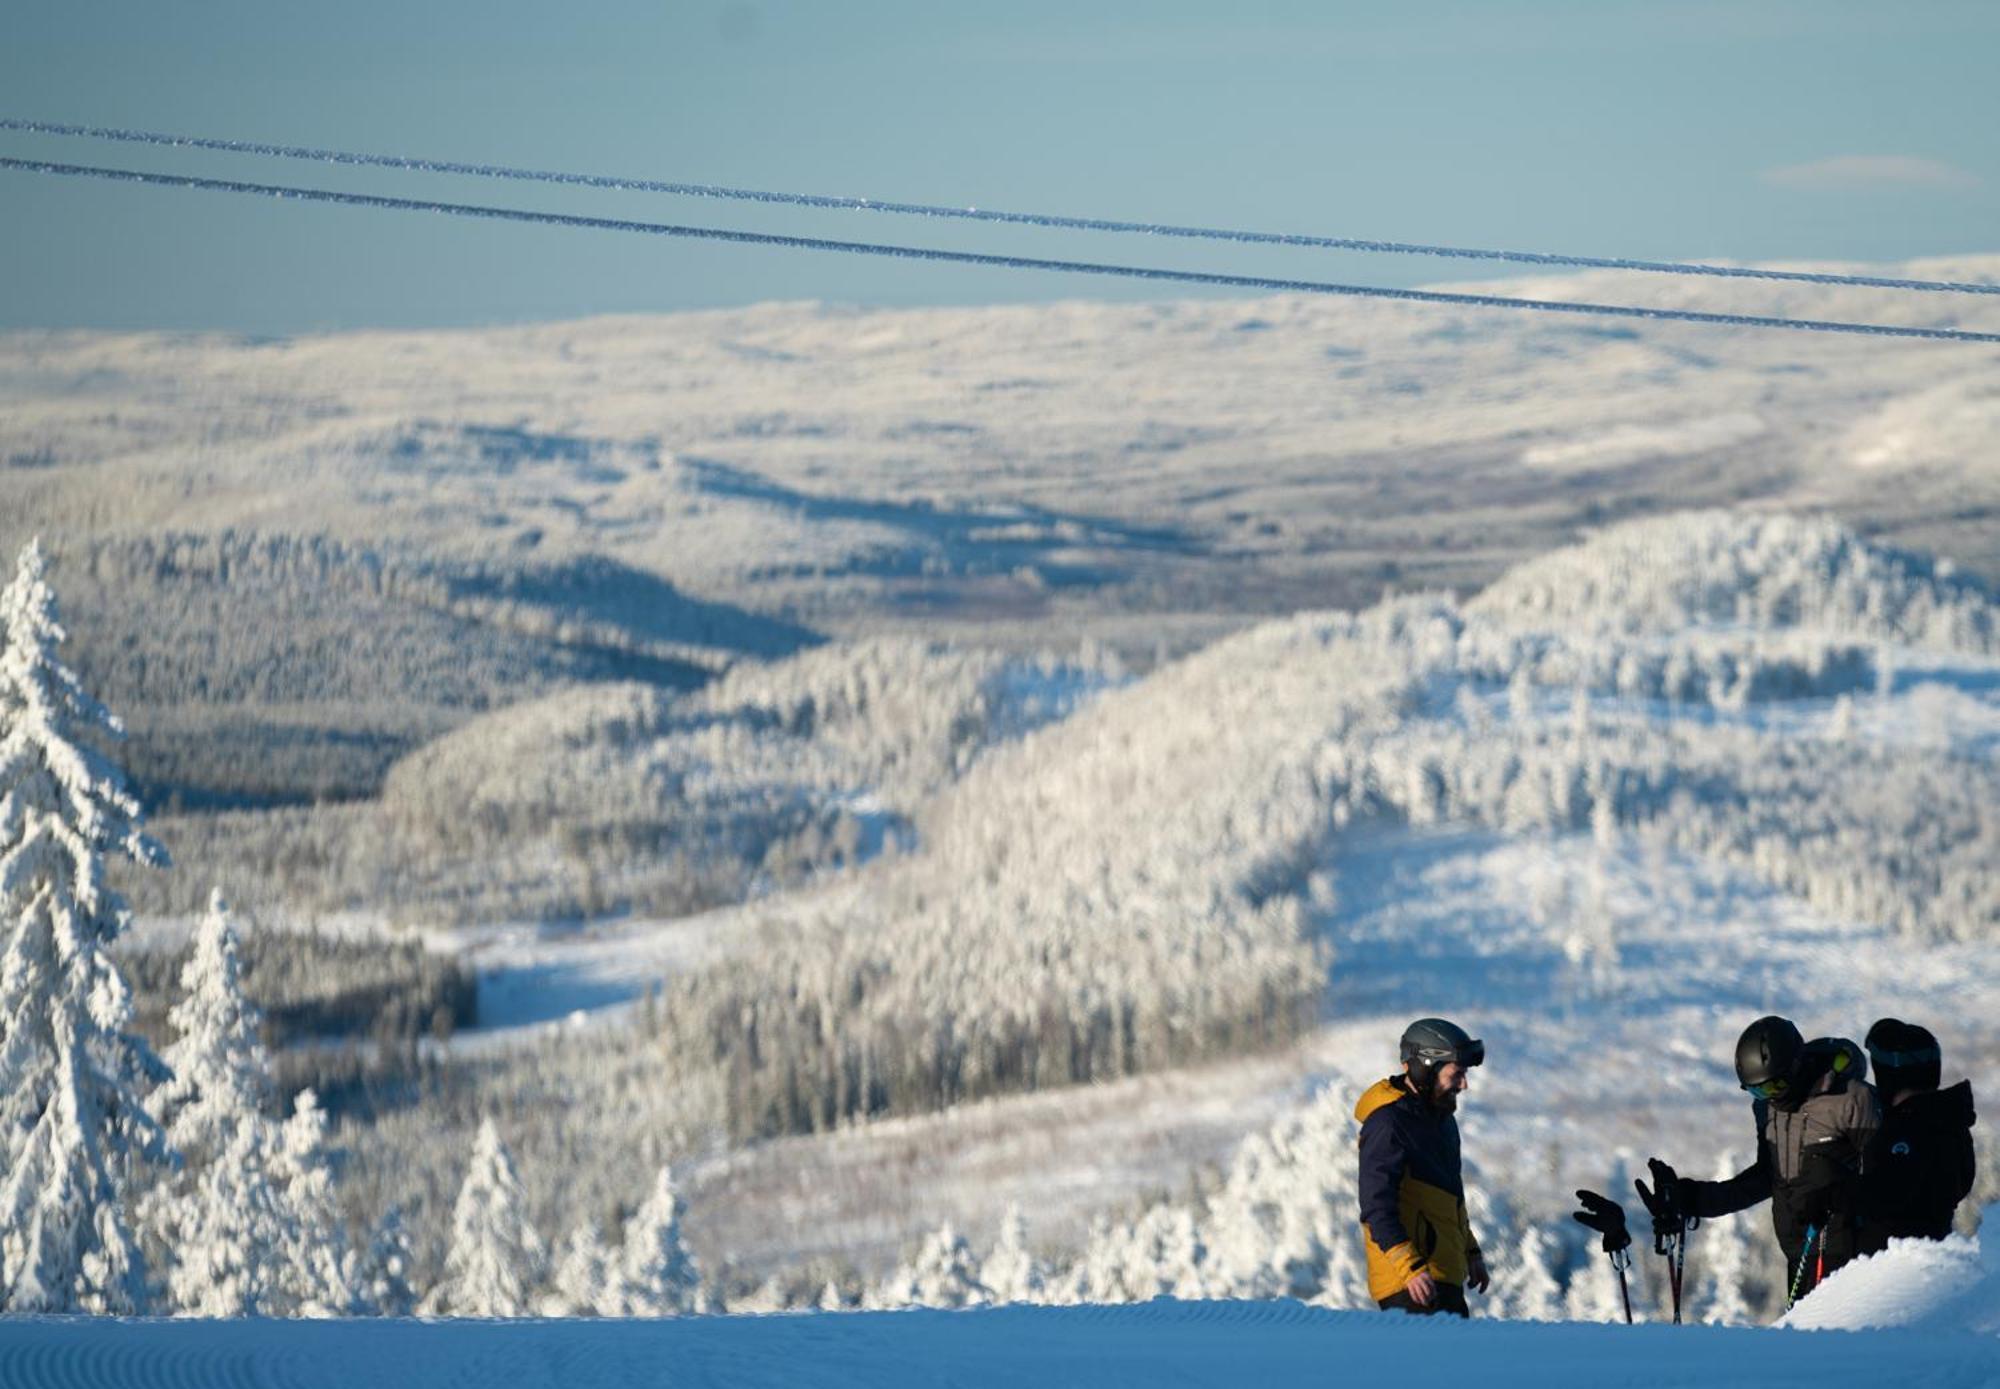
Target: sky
{"x": 1712, "y": 129}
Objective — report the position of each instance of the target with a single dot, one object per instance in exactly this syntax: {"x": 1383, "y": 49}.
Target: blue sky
{"x": 1797, "y": 128}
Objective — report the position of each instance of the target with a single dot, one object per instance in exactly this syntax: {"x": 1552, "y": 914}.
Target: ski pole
{"x": 1607, "y": 1217}
{"x": 1670, "y": 1225}
{"x": 1805, "y": 1254}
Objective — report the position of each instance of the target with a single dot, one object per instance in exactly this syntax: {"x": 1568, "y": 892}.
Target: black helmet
{"x": 1430, "y": 1042}
{"x": 1768, "y": 1053}
{"x": 1906, "y": 1056}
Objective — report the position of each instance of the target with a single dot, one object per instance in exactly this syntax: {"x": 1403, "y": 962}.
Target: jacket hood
{"x": 1828, "y": 1065}
{"x": 1950, "y": 1107}
{"x": 1381, "y": 1093}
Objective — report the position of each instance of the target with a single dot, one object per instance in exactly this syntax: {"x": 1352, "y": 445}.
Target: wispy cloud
{"x": 1863, "y": 173}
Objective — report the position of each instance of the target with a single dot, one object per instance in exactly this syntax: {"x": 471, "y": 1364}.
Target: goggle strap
{"x": 1895, "y": 1060}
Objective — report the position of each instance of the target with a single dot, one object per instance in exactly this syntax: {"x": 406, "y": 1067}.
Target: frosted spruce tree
{"x": 582, "y": 1275}
{"x": 385, "y": 1269}
{"x": 496, "y": 1259}
{"x": 1527, "y": 1281}
{"x": 657, "y": 1276}
{"x": 223, "y": 1215}
{"x": 73, "y": 1121}
{"x": 319, "y": 1274}
{"x": 941, "y": 1275}
{"x": 1011, "y": 1272}
{"x": 1724, "y": 1255}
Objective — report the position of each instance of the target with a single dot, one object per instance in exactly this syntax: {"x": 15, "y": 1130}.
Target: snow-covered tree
{"x": 496, "y": 1259}
{"x": 73, "y": 1121}
{"x": 1526, "y": 1279}
{"x": 250, "y": 1218}
{"x": 385, "y": 1269}
{"x": 1011, "y": 1272}
{"x": 1593, "y": 1293}
{"x": 657, "y": 1275}
{"x": 582, "y": 1275}
{"x": 1283, "y": 1223}
{"x": 318, "y": 1273}
{"x": 224, "y": 1216}
{"x": 1721, "y": 1254}
{"x": 942, "y": 1274}
{"x": 1099, "y": 1272}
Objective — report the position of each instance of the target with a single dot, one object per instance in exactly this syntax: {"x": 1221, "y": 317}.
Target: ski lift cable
{"x": 980, "y": 214}
{"x": 1136, "y": 272}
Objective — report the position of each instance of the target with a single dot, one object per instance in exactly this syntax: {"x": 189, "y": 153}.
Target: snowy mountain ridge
{"x": 1757, "y": 572}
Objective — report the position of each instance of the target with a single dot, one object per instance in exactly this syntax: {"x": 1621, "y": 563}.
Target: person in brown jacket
{"x": 1816, "y": 1120}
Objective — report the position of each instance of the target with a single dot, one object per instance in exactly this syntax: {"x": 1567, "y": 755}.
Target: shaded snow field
{"x": 1150, "y": 1344}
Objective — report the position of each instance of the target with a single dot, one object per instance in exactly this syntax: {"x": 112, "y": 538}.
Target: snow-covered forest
{"x": 899, "y": 973}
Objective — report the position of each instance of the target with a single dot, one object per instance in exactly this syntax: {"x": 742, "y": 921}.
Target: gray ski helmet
{"x": 1768, "y": 1052}
{"x": 1431, "y": 1042}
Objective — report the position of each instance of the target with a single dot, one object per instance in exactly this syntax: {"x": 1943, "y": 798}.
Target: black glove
{"x": 1605, "y": 1216}
{"x": 1666, "y": 1202}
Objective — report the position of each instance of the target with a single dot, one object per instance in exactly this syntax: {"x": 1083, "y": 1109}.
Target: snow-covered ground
{"x": 1145, "y": 1346}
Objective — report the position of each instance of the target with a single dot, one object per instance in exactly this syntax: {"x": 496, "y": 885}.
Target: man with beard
{"x": 1816, "y": 1120}
{"x": 1421, "y": 1253}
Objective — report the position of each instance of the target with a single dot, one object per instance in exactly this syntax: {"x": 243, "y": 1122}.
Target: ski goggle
{"x": 1473, "y": 1053}
{"x": 1897, "y": 1060}
{"x": 1769, "y": 1089}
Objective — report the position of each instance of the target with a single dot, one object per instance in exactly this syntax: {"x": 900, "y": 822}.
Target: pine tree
{"x": 1283, "y": 1222}
{"x": 1723, "y": 1254}
{"x": 73, "y": 1122}
{"x": 657, "y": 1275}
{"x": 385, "y": 1271}
{"x": 1529, "y": 1277}
{"x": 941, "y": 1275}
{"x": 224, "y": 1216}
{"x": 496, "y": 1258}
{"x": 1593, "y": 1293}
{"x": 318, "y": 1269}
{"x": 1011, "y": 1272}
{"x": 582, "y": 1275}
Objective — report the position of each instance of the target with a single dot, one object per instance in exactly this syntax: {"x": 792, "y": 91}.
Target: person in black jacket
{"x": 1920, "y": 1166}
{"x": 1816, "y": 1121}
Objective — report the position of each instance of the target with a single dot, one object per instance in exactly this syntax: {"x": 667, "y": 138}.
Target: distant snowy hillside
{"x": 1751, "y": 573}
{"x": 771, "y": 773}
{"x": 268, "y": 544}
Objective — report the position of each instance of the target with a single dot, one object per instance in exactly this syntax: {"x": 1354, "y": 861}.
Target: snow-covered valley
{"x": 1590, "y": 862}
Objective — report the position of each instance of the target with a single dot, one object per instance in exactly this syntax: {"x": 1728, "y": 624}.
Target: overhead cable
{"x": 1074, "y": 267}
{"x": 980, "y": 214}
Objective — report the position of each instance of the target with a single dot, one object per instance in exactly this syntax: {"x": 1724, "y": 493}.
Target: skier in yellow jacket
{"x": 1421, "y": 1253}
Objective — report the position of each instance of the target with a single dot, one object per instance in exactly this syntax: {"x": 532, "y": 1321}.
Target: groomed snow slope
{"x": 1154, "y": 1344}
